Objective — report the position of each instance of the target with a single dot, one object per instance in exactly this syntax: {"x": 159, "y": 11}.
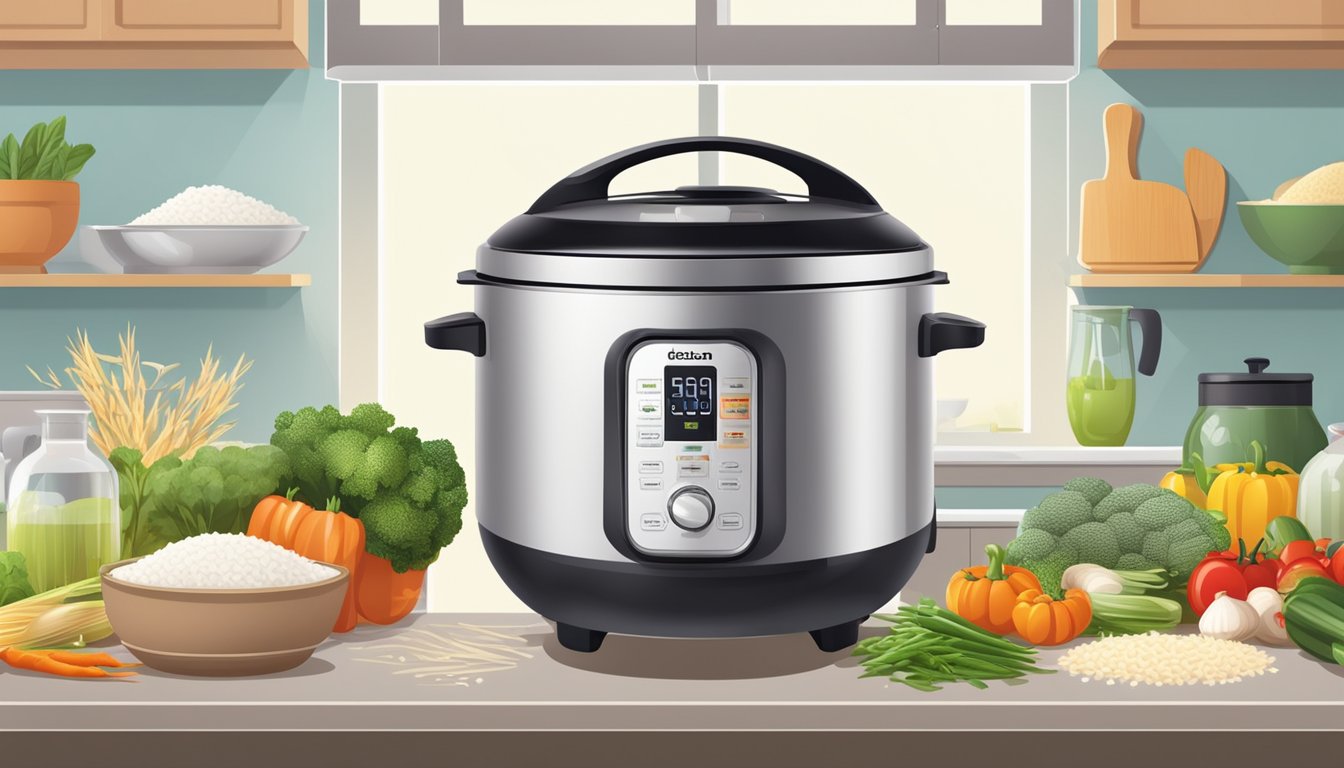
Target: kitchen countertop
{"x": 650, "y": 688}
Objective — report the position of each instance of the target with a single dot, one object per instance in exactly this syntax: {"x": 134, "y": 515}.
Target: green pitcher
{"x": 1100, "y": 393}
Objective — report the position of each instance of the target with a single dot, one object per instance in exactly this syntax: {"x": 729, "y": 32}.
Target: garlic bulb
{"x": 1268, "y": 605}
{"x": 1228, "y": 618}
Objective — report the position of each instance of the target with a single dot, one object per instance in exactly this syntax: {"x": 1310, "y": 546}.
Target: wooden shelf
{"x": 99, "y": 280}
{"x": 1198, "y": 280}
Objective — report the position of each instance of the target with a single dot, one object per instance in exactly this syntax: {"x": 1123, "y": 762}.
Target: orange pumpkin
{"x": 985, "y": 595}
{"x": 336, "y": 538}
{"x": 277, "y": 518}
{"x": 1042, "y": 620}
{"x": 383, "y": 595}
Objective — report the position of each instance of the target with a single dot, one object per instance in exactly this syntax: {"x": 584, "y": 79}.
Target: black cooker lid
{"x": 1255, "y": 387}
{"x": 577, "y": 216}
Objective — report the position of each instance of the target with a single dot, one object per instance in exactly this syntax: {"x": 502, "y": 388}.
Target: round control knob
{"x": 691, "y": 508}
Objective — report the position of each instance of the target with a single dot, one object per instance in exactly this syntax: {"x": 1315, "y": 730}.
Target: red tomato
{"x": 1337, "y": 567}
{"x": 1298, "y": 570}
{"x": 1233, "y": 572}
{"x": 1297, "y": 550}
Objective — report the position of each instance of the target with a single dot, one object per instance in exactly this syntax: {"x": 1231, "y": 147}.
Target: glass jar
{"x": 63, "y": 514}
{"x": 1320, "y": 493}
{"x": 1238, "y": 408}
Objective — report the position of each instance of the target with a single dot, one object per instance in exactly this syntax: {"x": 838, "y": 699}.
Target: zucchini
{"x": 1282, "y": 530}
{"x": 1314, "y": 617}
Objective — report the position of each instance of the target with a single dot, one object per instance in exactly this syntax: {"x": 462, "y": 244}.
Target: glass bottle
{"x": 63, "y": 514}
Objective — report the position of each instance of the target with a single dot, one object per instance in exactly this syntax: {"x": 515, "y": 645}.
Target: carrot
{"x": 87, "y": 659}
{"x": 38, "y": 662}
{"x": 385, "y": 596}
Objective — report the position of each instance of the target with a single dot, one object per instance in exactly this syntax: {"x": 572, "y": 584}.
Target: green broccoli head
{"x": 1126, "y": 499}
{"x": 1185, "y": 554}
{"x": 1133, "y": 561}
{"x": 1059, "y": 513}
{"x": 1049, "y": 570}
{"x": 1094, "y": 488}
{"x": 1032, "y": 544}
{"x": 1164, "y": 511}
{"x": 408, "y": 492}
{"x": 1095, "y": 543}
{"x": 1156, "y": 546}
{"x": 1128, "y": 533}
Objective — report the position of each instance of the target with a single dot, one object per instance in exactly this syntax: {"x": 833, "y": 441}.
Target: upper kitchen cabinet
{"x": 1221, "y": 34}
{"x": 153, "y": 34}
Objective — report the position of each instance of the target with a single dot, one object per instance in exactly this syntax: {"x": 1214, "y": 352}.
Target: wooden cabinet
{"x": 153, "y": 34}
{"x": 1220, "y": 34}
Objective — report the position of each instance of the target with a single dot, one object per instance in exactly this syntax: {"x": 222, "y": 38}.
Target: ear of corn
{"x": 149, "y": 414}
{"x": 61, "y": 617}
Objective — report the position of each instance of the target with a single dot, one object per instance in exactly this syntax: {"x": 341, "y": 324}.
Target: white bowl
{"x": 949, "y": 410}
{"x": 200, "y": 250}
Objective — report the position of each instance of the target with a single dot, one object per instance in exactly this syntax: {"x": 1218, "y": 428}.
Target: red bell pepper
{"x": 1233, "y": 572}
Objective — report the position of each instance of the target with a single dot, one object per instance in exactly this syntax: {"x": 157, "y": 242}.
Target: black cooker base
{"x": 590, "y": 598}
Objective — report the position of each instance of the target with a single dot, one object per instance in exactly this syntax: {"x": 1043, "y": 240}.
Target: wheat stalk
{"x": 149, "y": 415}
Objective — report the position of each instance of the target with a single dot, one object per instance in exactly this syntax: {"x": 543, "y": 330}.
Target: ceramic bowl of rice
{"x": 204, "y": 230}
{"x": 223, "y": 605}
{"x": 1302, "y": 226}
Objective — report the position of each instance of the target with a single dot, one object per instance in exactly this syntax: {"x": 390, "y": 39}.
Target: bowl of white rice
{"x": 204, "y": 230}
{"x": 223, "y": 605}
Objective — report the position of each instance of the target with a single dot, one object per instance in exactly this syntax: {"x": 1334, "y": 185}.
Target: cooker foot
{"x": 838, "y": 637}
{"x": 579, "y": 639}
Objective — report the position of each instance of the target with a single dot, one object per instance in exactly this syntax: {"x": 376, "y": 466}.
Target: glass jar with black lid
{"x": 1237, "y": 409}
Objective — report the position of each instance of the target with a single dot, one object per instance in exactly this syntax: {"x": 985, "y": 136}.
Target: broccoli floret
{"x": 1126, "y": 499}
{"x": 1032, "y": 544}
{"x": 1185, "y": 554}
{"x": 1094, "y": 488}
{"x": 1049, "y": 570}
{"x": 1162, "y": 512}
{"x": 409, "y": 493}
{"x": 1133, "y": 561}
{"x": 1059, "y": 513}
{"x": 1156, "y": 545}
{"x": 1095, "y": 543}
{"x": 1128, "y": 533}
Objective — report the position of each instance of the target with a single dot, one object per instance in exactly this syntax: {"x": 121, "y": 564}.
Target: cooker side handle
{"x": 939, "y": 331}
{"x": 463, "y": 331}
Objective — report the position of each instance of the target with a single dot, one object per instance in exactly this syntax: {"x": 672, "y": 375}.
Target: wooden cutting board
{"x": 1129, "y": 225}
{"x": 1206, "y": 186}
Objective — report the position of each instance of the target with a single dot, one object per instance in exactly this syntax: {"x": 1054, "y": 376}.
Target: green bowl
{"x": 1309, "y": 239}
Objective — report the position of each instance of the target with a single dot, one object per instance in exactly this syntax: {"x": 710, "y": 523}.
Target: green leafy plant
{"x": 43, "y": 154}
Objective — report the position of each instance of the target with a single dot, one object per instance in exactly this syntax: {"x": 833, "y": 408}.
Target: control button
{"x": 649, "y": 386}
{"x": 692, "y": 449}
{"x": 692, "y": 469}
{"x": 650, "y": 410}
{"x": 736, "y": 386}
{"x": 730, "y": 484}
{"x": 649, "y": 437}
{"x": 730, "y": 468}
{"x": 730, "y": 522}
{"x": 691, "y": 508}
{"x": 650, "y": 467}
{"x": 650, "y": 483}
{"x": 735, "y": 407}
{"x": 652, "y": 521}
{"x": 735, "y": 438}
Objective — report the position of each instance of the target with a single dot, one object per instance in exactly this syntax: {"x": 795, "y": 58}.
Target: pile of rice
{"x": 223, "y": 561}
{"x": 213, "y": 205}
{"x": 1159, "y": 660}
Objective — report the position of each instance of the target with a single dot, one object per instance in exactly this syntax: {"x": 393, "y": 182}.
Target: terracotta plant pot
{"x": 37, "y": 219}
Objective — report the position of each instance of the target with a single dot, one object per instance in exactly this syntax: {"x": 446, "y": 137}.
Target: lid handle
{"x": 592, "y": 182}
{"x": 1256, "y": 364}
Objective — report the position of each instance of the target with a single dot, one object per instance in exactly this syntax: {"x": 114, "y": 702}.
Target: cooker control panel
{"x": 690, "y": 452}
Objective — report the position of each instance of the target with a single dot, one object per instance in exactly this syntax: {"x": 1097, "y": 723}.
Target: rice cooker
{"x": 704, "y": 412}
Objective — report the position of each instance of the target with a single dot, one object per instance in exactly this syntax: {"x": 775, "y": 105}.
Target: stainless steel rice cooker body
{"x": 705, "y": 412}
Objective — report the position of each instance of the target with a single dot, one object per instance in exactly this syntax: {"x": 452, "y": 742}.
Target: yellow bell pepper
{"x": 1182, "y": 481}
{"x": 1251, "y": 497}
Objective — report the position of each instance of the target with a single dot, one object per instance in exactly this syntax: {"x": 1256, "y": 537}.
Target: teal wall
{"x": 1265, "y": 127}
{"x": 269, "y": 133}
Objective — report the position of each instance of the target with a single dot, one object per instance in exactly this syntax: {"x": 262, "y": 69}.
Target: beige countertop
{"x": 367, "y": 681}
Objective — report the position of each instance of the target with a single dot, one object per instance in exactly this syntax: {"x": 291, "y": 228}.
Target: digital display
{"x": 691, "y": 412}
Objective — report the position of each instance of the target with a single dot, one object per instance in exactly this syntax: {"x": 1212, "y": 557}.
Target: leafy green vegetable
{"x": 212, "y": 492}
{"x": 43, "y": 154}
{"x": 14, "y": 584}
{"x": 408, "y": 492}
{"x": 1136, "y": 527}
